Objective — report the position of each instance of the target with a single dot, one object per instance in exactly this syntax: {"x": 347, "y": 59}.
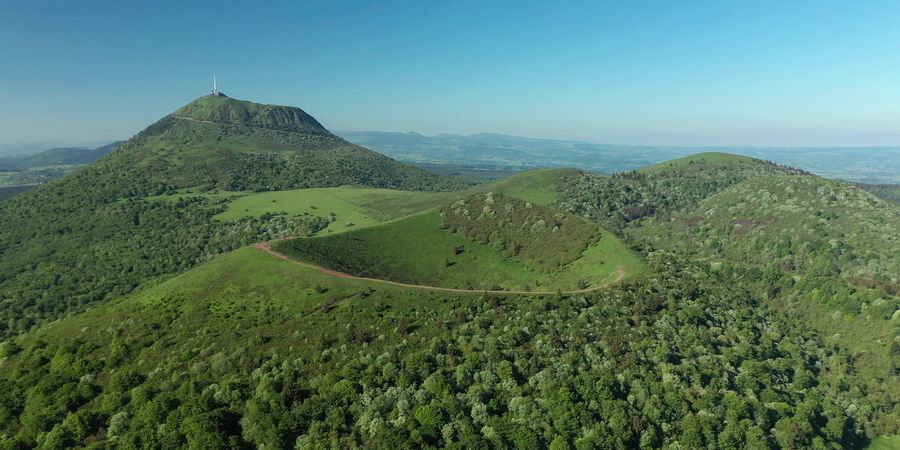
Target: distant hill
{"x": 889, "y": 192}
{"x": 21, "y": 174}
{"x": 660, "y": 189}
{"x": 93, "y": 234}
{"x": 502, "y": 153}
{"x": 820, "y": 251}
{"x": 220, "y": 142}
{"x": 61, "y": 156}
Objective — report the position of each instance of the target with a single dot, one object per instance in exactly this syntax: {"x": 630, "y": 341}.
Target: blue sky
{"x": 632, "y": 72}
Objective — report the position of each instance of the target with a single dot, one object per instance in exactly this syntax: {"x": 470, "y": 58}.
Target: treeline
{"x": 623, "y": 198}
{"x": 680, "y": 359}
{"x": 85, "y": 257}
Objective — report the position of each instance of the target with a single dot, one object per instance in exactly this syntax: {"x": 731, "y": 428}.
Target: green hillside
{"x": 219, "y": 142}
{"x": 820, "y": 249}
{"x": 91, "y": 235}
{"x": 623, "y": 198}
{"x": 798, "y": 224}
{"x": 418, "y": 250}
{"x": 702, "y": 161}
{"x": 248, "y": 350}
{"x": 889, "y": 192}
{"x": 543, "y": 238}
{"x": 537, "y": 186}
{"x": 344, "y": 208}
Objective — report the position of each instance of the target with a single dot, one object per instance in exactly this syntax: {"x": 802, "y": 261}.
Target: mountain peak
{"x": 229, "y": 111}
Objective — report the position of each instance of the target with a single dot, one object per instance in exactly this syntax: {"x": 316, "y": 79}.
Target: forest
{"x": 678, "y": 359}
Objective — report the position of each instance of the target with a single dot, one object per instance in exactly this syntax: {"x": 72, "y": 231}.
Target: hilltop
{"x": 102, "y": 231}
{"x": 509, "y": 245}
{"x": 220, "y": 142}
{"x": 226, "y": 110}
{"x": 659, "y": 190}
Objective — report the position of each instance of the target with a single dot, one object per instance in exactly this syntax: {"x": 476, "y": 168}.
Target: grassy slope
{"x": 538, "y": 186}
{"x": 416, "y": 250}
{"x": 352, "y": 207}
{"x": 244, "y": 298}
{"x": 369, "y": 206}
{"x": 760, "y": 213}
{"x": 222, "y": 332}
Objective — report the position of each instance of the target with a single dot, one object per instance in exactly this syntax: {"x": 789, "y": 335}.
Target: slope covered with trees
{"x": 624, "y": 198}
{"x": 819, "y": 251}
{"x": 543, "y": 238}
{"x": 229, "y": 355}
{"x": 714, "y": 345}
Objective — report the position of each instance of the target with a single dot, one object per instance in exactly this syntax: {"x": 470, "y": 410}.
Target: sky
{"x": 691, "y": 73}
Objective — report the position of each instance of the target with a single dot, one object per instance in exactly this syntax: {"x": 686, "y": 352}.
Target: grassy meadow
{"x": 350, "y": 206}
{"x": 416, "y": 250}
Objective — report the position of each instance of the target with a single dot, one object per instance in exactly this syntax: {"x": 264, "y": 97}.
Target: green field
{"x": 884, "y": 443}
{"x": 416, "y": 250}
{"x": 356, "y": 207}
{"x": 352, "y": 207}
{"x": 538, "y": 186}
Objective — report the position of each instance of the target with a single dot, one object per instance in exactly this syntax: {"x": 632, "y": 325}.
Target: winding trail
{"x": 266, "y": 247}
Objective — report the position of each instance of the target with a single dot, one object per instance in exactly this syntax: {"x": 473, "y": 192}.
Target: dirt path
{"x": 266, "y": 247}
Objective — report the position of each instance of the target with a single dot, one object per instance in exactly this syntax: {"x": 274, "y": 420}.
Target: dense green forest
{"x": 820, "y": 251}
{"x": 678, "y": 359}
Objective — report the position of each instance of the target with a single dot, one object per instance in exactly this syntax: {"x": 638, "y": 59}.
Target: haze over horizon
{"x": 709, "y": 74}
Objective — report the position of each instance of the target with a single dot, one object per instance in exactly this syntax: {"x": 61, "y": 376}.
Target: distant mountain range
{"x": 863, "y": 164}
{"x": 60, "y": 156}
